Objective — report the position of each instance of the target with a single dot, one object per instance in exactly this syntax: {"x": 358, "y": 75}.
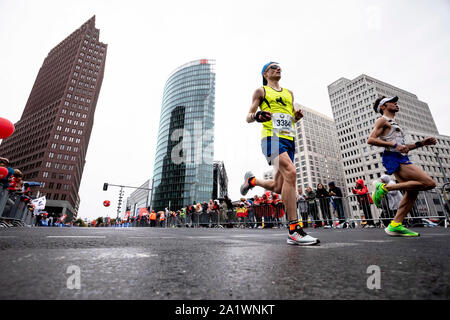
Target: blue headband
{"x": 266, "y": 65}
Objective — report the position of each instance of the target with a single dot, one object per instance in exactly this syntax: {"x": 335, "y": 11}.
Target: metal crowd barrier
{"x": 264, "y": 215}
{"x": 13, "y": 210}
{"x": 358, "y": 211}
{"x": 446, "y": 200}
{"x": 353, "y": 211}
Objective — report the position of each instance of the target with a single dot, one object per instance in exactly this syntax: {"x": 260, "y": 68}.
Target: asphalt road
{"x": 218, "y": 264}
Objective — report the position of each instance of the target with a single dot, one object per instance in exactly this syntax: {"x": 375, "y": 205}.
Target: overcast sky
{"x": 404, "y": 43}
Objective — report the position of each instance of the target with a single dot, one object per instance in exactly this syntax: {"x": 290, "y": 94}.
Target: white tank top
{"x": 395, "y": 134}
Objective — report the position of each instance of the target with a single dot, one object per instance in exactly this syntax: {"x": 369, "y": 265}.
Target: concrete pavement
{"x": 216, "y": 264}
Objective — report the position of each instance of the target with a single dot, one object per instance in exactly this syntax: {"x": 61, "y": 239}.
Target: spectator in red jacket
{"x": 16, "y": 183}
{"x": 364, "y": 200}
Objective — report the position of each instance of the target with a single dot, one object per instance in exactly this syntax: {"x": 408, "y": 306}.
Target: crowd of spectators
{"x": 330, "y": 203}
{"x": 12, "y": 186}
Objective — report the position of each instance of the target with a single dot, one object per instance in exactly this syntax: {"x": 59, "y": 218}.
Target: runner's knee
{"x": 277, "y": 189}
{"x": 429, "y": 184}
{"x": 290, "y": 175}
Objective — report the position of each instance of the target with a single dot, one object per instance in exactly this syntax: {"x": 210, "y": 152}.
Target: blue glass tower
{"x": 183, "y": 170}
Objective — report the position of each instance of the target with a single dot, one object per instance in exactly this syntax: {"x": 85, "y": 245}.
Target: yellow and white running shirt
{"x": 279, "y": 103}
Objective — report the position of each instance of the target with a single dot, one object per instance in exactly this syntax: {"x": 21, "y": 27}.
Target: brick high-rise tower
{"x": 51, "y": 138}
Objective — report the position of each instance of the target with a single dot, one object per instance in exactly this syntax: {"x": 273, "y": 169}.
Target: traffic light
{"x": 105, "y": 186}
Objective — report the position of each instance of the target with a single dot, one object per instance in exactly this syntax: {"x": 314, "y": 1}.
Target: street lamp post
{"x": 105, "y": 188}
{"x": 441, "y": 167}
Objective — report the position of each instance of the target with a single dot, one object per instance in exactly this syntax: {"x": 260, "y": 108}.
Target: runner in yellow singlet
{"x": 278, "y": 117}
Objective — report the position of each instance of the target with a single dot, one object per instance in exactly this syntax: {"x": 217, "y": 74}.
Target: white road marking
{"x": 203, "y": 237}
{"x": 151, "y": 237}
{"x": 97, "y": 237}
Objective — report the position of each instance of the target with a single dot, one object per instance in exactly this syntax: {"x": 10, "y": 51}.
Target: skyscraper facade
{"x": 183, "y": 170}
{"x": 52, "y": 136}
{"x": 352, "y": 106}
{"x": 317, "y": 156}
{"x": 220, "y": 186}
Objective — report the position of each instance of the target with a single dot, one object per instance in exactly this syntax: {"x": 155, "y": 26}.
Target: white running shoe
{"x": 302, "y": 239}
{"x": 246, "y": 186}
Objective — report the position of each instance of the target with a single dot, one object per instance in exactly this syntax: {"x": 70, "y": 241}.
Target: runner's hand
{"x": 263, "y": 116}
{"x": 402, "y": 148}
{"x": 429, "y": 141}
{"x": 298, "y": 114}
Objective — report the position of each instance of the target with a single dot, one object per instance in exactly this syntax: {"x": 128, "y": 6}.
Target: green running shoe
{"x": 379, "y": 193}
{"x": 400, "y": 231}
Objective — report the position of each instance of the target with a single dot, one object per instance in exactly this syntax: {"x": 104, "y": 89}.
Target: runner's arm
{"x": 299, "y": 113}
{"x": 425, "y": 142}
{"x": 377, "y": 131}
{"x": 258, "y": 96}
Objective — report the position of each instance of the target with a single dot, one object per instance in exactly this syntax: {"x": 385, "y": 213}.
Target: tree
{"x": 99, "y": 222}
{"x": 79, "y": 223}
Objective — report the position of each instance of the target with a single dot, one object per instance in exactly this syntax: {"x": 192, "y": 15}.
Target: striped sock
{"x": 293, "y": 225}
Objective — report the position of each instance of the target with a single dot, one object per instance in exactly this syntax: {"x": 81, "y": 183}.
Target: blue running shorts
{"x": 272, "y": 147}
{"x": 393, "y": 160}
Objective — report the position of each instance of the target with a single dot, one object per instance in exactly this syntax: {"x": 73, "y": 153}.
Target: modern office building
{"x": 268, "y": 175}
{"x": 52, "y": 136}
{"x": 183, "y": 170}
{"x": 220, "y": 183}
{"x": 352, "y": 106}
{"x": 317, "y": 156}
{"x": 140, "y": 198}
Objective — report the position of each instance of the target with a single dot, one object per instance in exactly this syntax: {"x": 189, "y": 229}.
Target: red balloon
{"x": 106, "y": 203}
{"x": 3, "y": 172}
{"x": 6, "y": 128}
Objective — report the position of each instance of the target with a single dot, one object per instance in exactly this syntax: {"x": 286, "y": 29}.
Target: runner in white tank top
{"x": 388, "y": 134}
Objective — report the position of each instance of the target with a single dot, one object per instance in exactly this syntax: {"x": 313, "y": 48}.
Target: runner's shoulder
{"x": 259, "y": 93}
{"x": 382, "y": 122}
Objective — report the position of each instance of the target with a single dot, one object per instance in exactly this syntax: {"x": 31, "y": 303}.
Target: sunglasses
{"x": 274, "y": 66}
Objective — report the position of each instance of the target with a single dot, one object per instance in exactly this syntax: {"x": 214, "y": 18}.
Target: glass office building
{"x": 183, "y": 170}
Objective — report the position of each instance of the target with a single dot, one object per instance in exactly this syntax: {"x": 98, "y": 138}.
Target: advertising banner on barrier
{"x": 39, "y": 204}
